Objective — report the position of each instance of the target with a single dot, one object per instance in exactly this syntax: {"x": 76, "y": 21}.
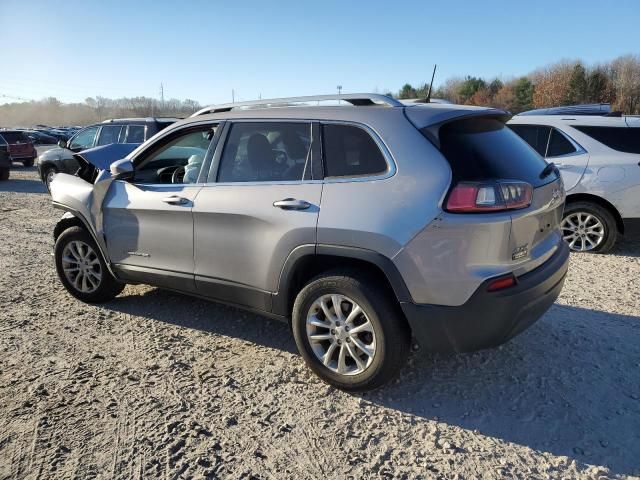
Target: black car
{"x": 120, "y": 130}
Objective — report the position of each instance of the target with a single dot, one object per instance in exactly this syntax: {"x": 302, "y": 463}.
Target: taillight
{"x": 489, "y": 196}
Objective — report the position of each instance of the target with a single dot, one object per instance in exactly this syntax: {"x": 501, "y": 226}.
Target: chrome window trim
{"x": 576, "y": 145}
{"x": 386, "y": 153}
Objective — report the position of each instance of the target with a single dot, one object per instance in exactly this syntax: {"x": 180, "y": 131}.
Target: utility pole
{"x": 162, "y": 96}
{"x": 233, "y": 96}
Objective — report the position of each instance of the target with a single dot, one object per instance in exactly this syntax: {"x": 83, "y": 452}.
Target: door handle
{"x": 562, "y": 166}
{"x": 175, "y": 200}
{"x": 292, "y": 204}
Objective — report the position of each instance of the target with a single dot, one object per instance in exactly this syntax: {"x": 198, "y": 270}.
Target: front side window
{"x": 265, "y": 152}
{"x": 84, "y": 139}
{"x": 350, "y": 151}
{"x": 109, "y": 134}
{"x": 559, "y": 145}
{"x": 622, "y": 139}
{"x": 179, "y": 160}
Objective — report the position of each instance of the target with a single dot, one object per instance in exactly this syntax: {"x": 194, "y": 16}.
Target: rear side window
{"x": 622, "y": 139}
{"x": 109, "y": 134}
{"x": 135, "y": 134}
{"x": 484, "y": 148}
{"x": 266, "y": 152}
{"x": 15, "y": 137}
{"x": 535, "y": 135}
{"x": 350, "y": 151}
{"x": 559, "y": 145}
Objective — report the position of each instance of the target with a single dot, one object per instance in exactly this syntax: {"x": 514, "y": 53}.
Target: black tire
{"x": 107, "y": 288}
{"x": 4, "y": 174}
{"x": 604, "y": 216}
{"x": 46, "y": 172}
{"x": 28, "y": 162}
{"x": 392, "y": 335}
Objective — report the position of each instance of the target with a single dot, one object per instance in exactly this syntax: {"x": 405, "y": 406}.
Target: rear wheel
{"x": 82, "y": 269}
{"x": 4, "y": 174}
{"x": 349, "y": 332}
{"x": 588, "y": 227}
{"x": 28, "y": 162}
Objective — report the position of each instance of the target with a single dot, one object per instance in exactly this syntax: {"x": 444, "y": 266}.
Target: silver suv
{"x": 362, "y": 223}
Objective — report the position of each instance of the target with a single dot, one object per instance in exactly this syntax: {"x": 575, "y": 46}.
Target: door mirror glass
{"x": 122, "y": 169}
{"x": 62, "y": 144}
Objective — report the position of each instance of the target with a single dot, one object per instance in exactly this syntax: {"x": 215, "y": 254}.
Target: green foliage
{"x": 523, "y": 95}
{"x": 577, "y": 92}
{"x": 470, "y": 86}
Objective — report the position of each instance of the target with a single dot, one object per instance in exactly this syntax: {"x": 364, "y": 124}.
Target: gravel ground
{"x": 156, "y": 384}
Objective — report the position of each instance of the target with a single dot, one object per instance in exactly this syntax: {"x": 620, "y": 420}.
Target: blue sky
{"x": 204, "y": 49}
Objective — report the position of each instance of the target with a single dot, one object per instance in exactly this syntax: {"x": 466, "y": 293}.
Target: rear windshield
{"x": 14, "y": 137}
{"x": 484, "y": 148}
{"x": 622, "y": 139}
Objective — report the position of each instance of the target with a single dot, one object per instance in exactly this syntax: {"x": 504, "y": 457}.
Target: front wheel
{"x": 82, "y": 269}
{"x": 48, "y": 175}
{"x": 588, "y": 227}
{"x": 349, "y": 332}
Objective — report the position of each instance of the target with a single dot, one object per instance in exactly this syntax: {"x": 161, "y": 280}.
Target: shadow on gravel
{"x": 626, "y": 248}
{"x": 190, "y": 312}
{"x": 570, "y": 385}
{"x": 22, "y": 185}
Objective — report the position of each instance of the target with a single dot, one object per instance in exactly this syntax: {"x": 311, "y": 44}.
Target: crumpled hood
{"x": 103, "y": 156}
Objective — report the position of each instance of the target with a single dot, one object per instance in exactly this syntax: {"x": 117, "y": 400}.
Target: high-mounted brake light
{"x": 489, "y": 196}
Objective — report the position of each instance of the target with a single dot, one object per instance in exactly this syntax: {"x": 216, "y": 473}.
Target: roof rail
{"x": 356, "y": 99}
{"x": 585, "y": 109}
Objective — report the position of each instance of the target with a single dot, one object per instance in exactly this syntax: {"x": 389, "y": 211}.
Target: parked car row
{"x": 132, "y": 131}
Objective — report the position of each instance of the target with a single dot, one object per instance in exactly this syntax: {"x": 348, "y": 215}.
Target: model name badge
{"x": 520, "y": 252}
{"x": 139, "y": 254}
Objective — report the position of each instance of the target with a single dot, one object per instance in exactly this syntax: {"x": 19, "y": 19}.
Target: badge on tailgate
{"x": 520, "y": 252}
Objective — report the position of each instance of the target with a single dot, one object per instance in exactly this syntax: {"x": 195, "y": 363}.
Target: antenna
{"x": 431, "y": 84}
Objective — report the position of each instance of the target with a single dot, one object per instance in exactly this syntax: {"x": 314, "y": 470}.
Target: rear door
{"x": 260, "y": 203}
{"x": 570, "y": 158}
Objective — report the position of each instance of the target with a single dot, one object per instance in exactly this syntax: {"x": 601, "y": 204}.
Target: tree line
{"x": 50, "y": 111}
{"x": 563, "y": 83}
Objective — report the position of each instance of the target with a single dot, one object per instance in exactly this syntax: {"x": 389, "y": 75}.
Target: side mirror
{"x": 62, "y": 144}
{"x": 122, "y": 169}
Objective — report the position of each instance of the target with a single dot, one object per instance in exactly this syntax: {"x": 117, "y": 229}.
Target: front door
{"x": 259, "y": 204}
{"x": 148, "y": 221}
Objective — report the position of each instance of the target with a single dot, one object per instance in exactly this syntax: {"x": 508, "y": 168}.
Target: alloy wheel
{"x": 81, "y": 266}
{"x": 583, "y": 231}
{"x": 340, "y": 334}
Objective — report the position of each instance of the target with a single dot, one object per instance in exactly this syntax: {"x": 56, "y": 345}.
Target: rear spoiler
{"x": 430, "y": 124}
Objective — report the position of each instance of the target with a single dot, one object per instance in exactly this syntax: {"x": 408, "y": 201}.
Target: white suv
{"x": 599, "y": 159}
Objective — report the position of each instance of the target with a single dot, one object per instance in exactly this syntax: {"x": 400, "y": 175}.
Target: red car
{"x": 21, "y": 148}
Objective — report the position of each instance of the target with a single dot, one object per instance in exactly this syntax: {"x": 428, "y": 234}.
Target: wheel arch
{"x": 44, "y": 166}
{"x": 587, "y": 197}
{"x": 308, "y": 261}
{"x": 73, "y": 219}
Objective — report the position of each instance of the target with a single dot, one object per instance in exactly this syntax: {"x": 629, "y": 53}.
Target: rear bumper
{"x": 631, "y": 227}
{"x": 489, "y": 319}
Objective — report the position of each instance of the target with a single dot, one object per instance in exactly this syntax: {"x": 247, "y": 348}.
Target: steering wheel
{"x": 178, "y": 175}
